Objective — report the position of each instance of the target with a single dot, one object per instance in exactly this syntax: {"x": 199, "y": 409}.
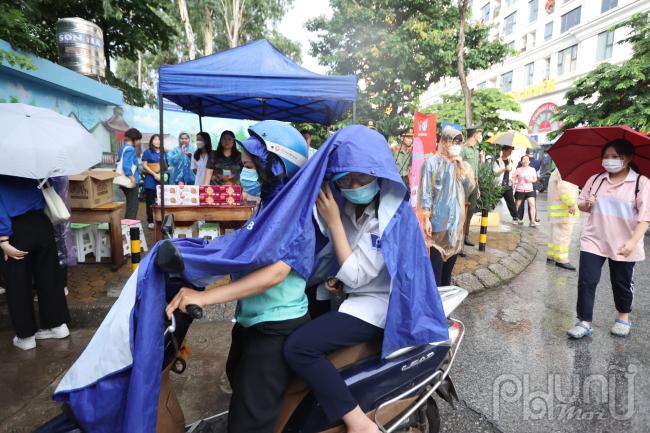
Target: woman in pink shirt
{"x": 618, "y": 203}
{"x": 525, "y": 176}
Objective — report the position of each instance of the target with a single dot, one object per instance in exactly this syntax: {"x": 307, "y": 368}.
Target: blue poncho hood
{"x": 114, "y": 385}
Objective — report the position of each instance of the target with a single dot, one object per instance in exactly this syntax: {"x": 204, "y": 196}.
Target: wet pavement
{"x": 516, "y": 371}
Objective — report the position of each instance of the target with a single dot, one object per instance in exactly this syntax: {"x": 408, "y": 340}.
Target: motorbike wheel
{"x": 432, "y": 416}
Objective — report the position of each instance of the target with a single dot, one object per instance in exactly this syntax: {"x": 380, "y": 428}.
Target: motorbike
{"x": 396, "y": 392}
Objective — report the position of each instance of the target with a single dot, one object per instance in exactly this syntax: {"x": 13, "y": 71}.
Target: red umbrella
{"x": 577, "y": 152}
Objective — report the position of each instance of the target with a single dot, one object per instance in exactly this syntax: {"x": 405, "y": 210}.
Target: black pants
{"x": 258, "y": 374}
{"x": 471, "y": 210}
{"x": 132, "y": 203}
{"x": 520, "y": 210}
{"x": 442, "y": 270}
{"x": 306, "y": 353}
{"x": 510, "y": 201}
{"x": 620, "y": 274}
{"x": 40, "y": 268}
{"x": 316, "y": 308}
{"x": 150, "y": 200}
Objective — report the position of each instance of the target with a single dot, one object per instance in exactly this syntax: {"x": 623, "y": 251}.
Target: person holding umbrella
{"x": 618, "y": 203}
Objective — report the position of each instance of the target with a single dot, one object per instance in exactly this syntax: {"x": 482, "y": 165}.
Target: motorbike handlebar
{"x": 195, "y": 311}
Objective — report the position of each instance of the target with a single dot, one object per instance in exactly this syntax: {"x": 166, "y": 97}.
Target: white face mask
{"x": 613, "y": 165}
{"x": 454, "y": 149}
{"x": 200, "y": 144}
{"x": 480, "y": 138}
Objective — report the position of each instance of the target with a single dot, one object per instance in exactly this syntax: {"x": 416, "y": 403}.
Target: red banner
{"x": 424, "y": 128}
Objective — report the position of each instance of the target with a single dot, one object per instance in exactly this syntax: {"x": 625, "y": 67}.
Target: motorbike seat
{"x": 297, "y": 389}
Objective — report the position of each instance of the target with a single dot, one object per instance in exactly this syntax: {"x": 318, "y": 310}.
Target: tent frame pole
{"x": 354, "y": 112}
{"x": 200, "y": 123}
{"x": 163, "y": 165}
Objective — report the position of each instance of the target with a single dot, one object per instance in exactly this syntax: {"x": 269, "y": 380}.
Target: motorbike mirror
{"x": 169, "y": 259}
{"x": 168, "y": 226}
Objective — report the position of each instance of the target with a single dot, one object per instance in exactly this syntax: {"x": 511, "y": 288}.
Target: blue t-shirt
{"x": 153, "y": 160}
{"x": 129, "y": 161}
{"x": 18, "y": 196}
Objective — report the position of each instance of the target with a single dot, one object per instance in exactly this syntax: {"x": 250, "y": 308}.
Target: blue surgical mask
{"x": 362, "y": 195}
{"x": 250, "y": 181}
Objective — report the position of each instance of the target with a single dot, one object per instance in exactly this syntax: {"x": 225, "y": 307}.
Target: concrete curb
{"x": 500, "y": 273}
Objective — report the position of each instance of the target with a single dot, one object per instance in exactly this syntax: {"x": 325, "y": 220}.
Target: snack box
{"x": 220, "y": 189}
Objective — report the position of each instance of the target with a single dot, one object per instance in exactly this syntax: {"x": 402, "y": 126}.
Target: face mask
{"x": 480, "y": 138}
{"x": 200, "y": 144}
{"x": 454, "y": 149}
{"x": 613, "y": 165}
{"x": 362, "y": 195}
{"x": 250, "y": 181}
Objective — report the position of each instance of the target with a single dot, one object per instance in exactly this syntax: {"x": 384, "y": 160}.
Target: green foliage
{"x": 128, "y": 26}
{"x": 614, "y": 94}
{"x": 486, "y": 105}
{"x": 398, "y": 48}
{"x": 259, "y": 18}
{"x": 17, "y": 60}
{"x": 491, "y": 191}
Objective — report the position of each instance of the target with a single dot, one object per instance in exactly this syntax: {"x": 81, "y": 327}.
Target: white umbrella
{"x": 38, "y": 143}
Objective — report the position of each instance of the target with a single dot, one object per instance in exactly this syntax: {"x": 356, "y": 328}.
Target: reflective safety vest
{"x": 561, "y": 195}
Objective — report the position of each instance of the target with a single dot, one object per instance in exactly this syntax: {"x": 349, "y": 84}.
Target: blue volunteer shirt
{"x": 150, "y": 157}
{"x": 128, "y": 160}
{"x": 18, "y": 195}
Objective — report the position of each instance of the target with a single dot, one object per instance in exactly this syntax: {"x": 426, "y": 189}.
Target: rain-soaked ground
{"x": 516, "y": 370}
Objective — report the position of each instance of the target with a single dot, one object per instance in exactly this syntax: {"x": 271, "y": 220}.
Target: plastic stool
{"x": 138, "y": 224}
{"x": 84, "y": 240}
{"x": 183, "y": 231}
{"x": 209, "y": 231}
{"x": 103, "y": 241}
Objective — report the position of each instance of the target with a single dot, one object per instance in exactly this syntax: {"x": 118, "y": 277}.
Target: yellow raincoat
{"x": 561, "y": 196}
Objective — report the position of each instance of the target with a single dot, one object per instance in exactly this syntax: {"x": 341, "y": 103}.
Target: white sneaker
{"x": 25, "y": 343}
{"x": 2, "y": 291}
{"x": 150, "y": 226}
{"x": 58, "y": 332}
{"x": 66, "y": 291}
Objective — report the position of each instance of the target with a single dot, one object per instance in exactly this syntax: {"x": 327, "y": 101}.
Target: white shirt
{"x": 200, "y": 167}
{"x": 364, "y": 275}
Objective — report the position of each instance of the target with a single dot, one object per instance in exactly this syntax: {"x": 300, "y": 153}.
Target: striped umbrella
{"x": 513, "y": 139}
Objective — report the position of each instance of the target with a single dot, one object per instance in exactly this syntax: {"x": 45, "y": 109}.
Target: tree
{"x": 486, "y": 106}
{"x": 187, "y": 26}
{"x": 128, "y": 27}
{"x": 398, "y": 48}
{"x": 460, "y": 61}
{"x": 15, "y": 28}
{"x": 259, "y": 18}
{"x": 614, "y": 94}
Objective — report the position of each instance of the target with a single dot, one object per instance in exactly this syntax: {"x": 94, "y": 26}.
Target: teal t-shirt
{"x": 285, "y": 301}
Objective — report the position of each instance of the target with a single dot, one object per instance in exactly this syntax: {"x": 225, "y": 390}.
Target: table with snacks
{"x": 189, "y": 204}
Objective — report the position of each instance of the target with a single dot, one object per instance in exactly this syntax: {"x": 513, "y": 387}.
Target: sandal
{"x": 621, "y": 328}
{"x": 579, "y": 331}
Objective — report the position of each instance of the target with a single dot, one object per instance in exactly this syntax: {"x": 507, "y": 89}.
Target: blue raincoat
{"x": 180, "y": 166}
{"x": 121, "y": 395}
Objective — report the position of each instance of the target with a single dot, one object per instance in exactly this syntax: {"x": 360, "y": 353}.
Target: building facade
{"x": 557, "y": 42}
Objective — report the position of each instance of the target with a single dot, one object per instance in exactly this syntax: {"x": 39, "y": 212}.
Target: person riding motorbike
{"x": 271, "y": 300}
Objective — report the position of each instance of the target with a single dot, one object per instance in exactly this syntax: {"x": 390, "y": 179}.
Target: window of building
{"x": 529, "y": 74}
{"x": 533, "y": 8}
{"x": 506, "y": 82}
{"x": 481, "y": 85}
{"x": 509, "y": 23}
{"x": 605, "y": 45}
{"x": 570, "y": 19}
{"x": 485, "y": 12}
{"x": 511, "y": 45}
{"x": 567, "y": 59}
{"x": 547, "y": 68}
{"x": 607, "y": 5}
{"x": 548, "y": 31}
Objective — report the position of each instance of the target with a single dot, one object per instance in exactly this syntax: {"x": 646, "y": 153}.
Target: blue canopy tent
{"x": 255, "y": 82}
